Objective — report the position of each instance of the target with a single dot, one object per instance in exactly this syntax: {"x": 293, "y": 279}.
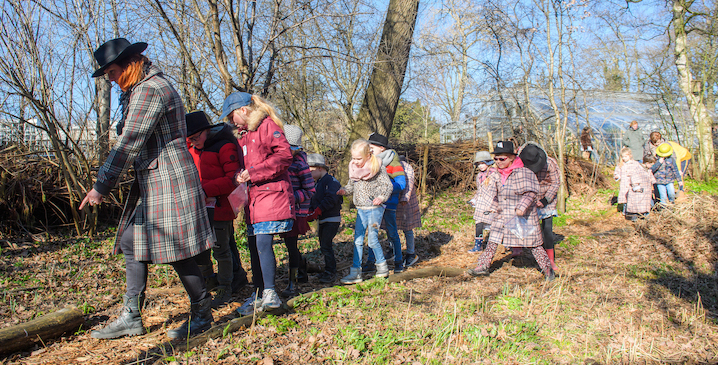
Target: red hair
{"x": 133, "y": 71}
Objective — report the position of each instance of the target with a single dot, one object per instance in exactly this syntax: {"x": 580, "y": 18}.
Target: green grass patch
{"x": 696, "y": 186}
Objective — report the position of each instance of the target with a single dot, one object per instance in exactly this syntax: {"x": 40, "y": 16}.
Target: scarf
{"x": 507, "y": 171}
{"x": 357, "y": 173}
{"x": 390, "y": 160}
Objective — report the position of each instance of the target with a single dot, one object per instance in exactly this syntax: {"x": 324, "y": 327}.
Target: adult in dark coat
{"x": 633, "y": 139}
{"x": 164, "y": 220}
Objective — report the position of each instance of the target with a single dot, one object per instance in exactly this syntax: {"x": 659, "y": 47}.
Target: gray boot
{"x": 129, "y": 323}
{"x": 200, "y": 319}
{"x": 353, "y": 277}
{"x": 382, "y": 270}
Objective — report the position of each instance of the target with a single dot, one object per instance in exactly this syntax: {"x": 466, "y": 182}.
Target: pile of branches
{"x": 34, "y": 195}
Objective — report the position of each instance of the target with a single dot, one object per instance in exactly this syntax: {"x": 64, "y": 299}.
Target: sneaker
{"x": 368, "y": 267}
{"x": 270, "y": 300}
{"x": 327, "y": 277}
{"x": 410, "y": 259}
{"x": 389, "y": 256}
{"x": 353, "y": 277}
{"x": 382, "y": 270}
{"x": 247, "y": 308}
{"x": 398, "y": 269}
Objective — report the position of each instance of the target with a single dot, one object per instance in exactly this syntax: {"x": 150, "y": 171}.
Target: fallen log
{"x": 42, "y": 329}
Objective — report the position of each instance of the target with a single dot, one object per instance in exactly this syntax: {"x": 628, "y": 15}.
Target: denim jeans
{"x": 409, "y": 235}
{"x": 667, "y": 192}
{"x": 393, "y": 233}
{"x": 368, "y": 220}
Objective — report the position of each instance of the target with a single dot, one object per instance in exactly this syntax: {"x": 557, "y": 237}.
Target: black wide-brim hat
{"x": 197, "y": 122}
{"x": 533, "y": 157}
{"x": 379, "y": 140}
{"x": 115, "y": 50}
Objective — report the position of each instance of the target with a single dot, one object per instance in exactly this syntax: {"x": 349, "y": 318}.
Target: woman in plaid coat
{"x": 164, "y": 220}
{"x": 515, "y": 189}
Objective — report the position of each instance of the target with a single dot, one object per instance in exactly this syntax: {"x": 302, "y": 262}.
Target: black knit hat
{"x": 379, "y": 140}
{"x": 115, "y": 50}
{"x": 533, "y": 157}
{"x": 197, "y": 122}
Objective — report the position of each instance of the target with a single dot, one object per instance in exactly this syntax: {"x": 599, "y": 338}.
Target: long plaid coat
{"x": 483, "y": 198}
{"x": 166, "y": 197}
{"x": 635, "y": 175}
{"x": 517, "y": 193}
{"x": 408, "y": 216}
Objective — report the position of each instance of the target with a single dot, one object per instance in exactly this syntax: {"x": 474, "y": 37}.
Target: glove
{"x": 314, "y": 214}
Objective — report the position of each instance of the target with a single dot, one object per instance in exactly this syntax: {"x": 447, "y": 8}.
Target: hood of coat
{"x": 255, "y": 120}
{"x": 218, "y": 133}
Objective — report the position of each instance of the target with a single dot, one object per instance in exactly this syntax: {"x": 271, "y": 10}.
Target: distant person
{"x": 303, "y": 187}
{"x": 326, "y": 208}
{"x": 371, "y": 187}
{"x": 587, "y": 146}
{"x": 164, "y": 220}
{"x": 516, "y": 189}
{"x": 633, "y": 139}
{"x": 271, "y": 209}
{"x": 482, "y": 200}
{"x": 216, "y": 155}
{"x": 666, "y": 172}
{"x": 683, "y": 159}
{"x": 636, "y": 187}
{"x": 654, "y": 140}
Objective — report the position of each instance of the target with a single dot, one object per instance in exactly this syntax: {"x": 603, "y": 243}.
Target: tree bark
{"x": 696, "y": 106}
{"x": 102, "y": 129}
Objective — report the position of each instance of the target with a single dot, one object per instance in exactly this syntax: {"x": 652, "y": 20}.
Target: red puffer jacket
{"x": 267, "y": 157}
{"x": 217, "y": 163}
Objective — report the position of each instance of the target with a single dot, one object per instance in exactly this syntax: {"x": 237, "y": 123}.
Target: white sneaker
{"x": 270, "y": 300}
{"x": 247, "y": 308}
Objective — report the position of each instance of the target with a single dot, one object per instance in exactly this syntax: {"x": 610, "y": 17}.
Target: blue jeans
{"x": 667, "y": 192}
{"x": 409, "y": 235}
{"x": 367, "y": 220}
{"x": 393, "y": 233}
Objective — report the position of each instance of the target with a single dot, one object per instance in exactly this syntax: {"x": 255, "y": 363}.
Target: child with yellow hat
{"x": 666, "y": 172}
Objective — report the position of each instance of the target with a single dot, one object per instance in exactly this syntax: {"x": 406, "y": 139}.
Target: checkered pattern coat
{"x": 408, "y": 216}
{"x": 166, "y": 197}
{"x": 549, "y": 181}
{"x": 483, "y": 198}
{"x": 635, "y": 175}
{"x": 517, "y": 193}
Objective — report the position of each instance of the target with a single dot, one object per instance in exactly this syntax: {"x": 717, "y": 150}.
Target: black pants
{"x": 327, "y": 231}
{"x": 547, "y": 232}
{"x": 136, "y": 271}
{"x": 480, "y": 230}
{"x": 295, "y": 257}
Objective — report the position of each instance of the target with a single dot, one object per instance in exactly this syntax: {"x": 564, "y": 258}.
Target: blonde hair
{"x": 133, "y": 71}
{"x": 624, "y": 151}
{"x": 265, "y": 109}
{"x": 362, "y": 145}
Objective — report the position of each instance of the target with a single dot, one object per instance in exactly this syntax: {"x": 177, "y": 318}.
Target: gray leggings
{"x": 136, "y": 271}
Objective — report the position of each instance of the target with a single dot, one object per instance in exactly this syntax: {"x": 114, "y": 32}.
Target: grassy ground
{"x": 626, "y": 292}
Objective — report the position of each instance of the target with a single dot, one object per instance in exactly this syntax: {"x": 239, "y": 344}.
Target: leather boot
{"x": 200, "y": 319}
{"x": 129, "y": 323}
{"x": 549, "y": 252}
{"x": 291, "y": 290}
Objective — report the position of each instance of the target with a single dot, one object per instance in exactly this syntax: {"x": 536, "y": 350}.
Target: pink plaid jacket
{"x": 408, "y": 216}
{"x": 517, "y": 194}
{"x": 633, "y": 175}
{"x": 483, "y": 198}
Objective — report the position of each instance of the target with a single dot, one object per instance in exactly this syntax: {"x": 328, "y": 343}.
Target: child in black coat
{"x": 326, "y": 206}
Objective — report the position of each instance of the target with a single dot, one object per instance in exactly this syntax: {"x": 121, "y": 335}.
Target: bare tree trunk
{"x": 103, "y": 88}
{"x": 382, "y": 94}
{"x": 703, "y": 121}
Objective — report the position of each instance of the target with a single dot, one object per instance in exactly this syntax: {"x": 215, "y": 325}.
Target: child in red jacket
{"x": 215, "y": 153}
{"x": 267, "y": 157}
